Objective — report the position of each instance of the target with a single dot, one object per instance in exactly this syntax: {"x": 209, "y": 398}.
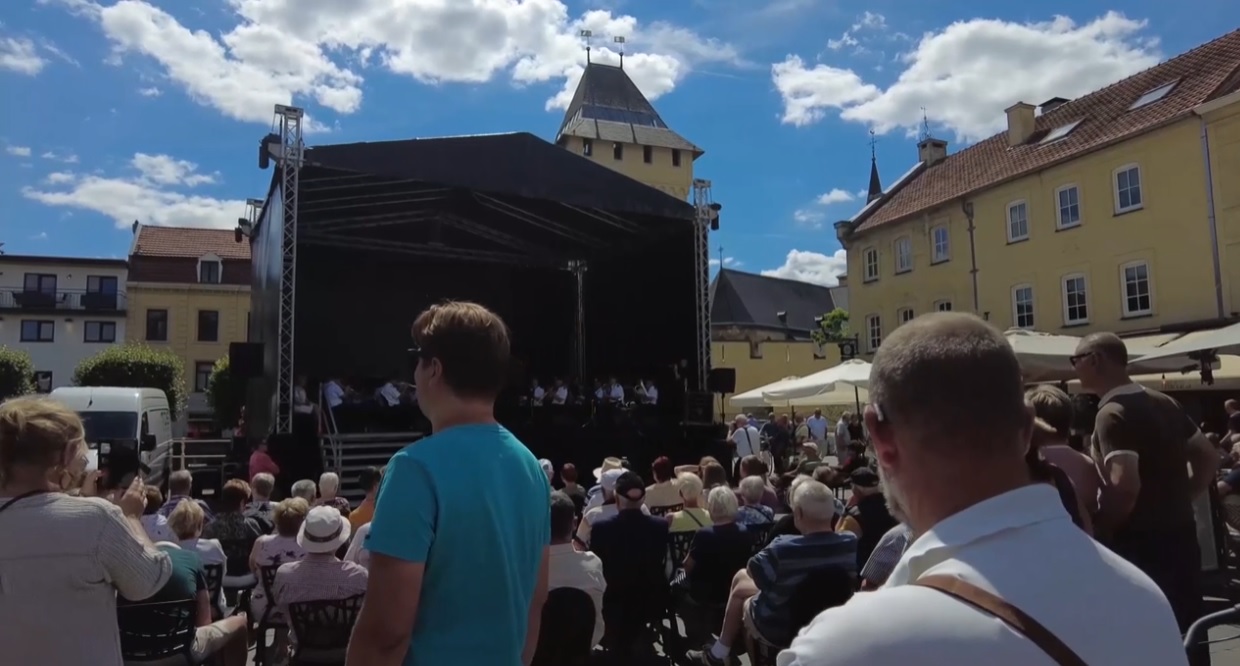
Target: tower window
{"x": 617, "y": 151}
{"x": 587, "y": 147}
{"x": 647, "y": 154}
{"x": 675, "y": 157}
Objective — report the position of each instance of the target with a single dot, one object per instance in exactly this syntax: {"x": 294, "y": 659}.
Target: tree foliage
{"x": 16, "y": 373}
{"x": 224, "y": 395}
{"x": 832, "y": 327}
{"x": 139, "y": 366}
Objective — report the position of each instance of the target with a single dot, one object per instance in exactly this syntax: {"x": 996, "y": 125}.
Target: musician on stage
{"x": 537, "y": 393}
{"x": 615, "y": 392}
{"x": 559, "y": 395}
{"x": 649, "y": 395}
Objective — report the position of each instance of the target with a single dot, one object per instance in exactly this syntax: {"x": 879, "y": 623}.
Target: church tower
{"x": 612, "y": 123}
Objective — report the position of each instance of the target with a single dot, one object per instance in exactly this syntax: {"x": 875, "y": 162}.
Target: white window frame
{"x": 1063, "y": 296}
{"x": 904, "y": 315}
{"x": 1123, "y": 288}
{"x": 866, "y": 253}
{"x": 210, "y": 258}
{"x": 1019, "y": 203}
{"x": 1033, "y": 318}
{"x": 939, "y": 305}
{"x": 873, "y": 331}
{"x": 895, "y": 250}
{"x": 1059, "y": 221}
{"x": 1140, "y": 187}
{"x": 935, "y": 257}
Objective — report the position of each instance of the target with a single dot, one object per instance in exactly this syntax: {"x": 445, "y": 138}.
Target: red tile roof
{"x": 1204, "y": 73}
{"x": 187, "y": 243}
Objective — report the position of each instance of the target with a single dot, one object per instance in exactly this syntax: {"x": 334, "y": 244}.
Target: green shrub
{"x": 139, "y": 366}
{"x": 16, "y": 373}
{"x": 224, "y": 396}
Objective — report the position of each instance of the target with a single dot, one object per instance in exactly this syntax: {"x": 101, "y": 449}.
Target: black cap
{"x": 631, "y": 486}
{"x": 864, "y": 478}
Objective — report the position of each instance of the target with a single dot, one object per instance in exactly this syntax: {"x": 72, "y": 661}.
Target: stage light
{"x": 264, "y": 149}
{"x": 238, "y": 235}
{"x": 715, "y": 207}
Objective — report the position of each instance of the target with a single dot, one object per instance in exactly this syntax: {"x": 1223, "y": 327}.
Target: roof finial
{"x": 720, "y": 257}
{"x": 873, "y": 142}
{"x": 925, "y": 125}
{"x": 876, "y": 185}
{"x": 586, "y": 37}
{"x": 619, "y": 42}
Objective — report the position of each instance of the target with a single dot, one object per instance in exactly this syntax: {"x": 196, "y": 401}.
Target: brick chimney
{"x": 1020, "y": 120}
{"x": 931, "y": 151}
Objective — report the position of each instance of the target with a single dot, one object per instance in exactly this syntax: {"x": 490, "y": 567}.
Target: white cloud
{"x": 812, "y": 267}
{"x": 808, "y": 217}
{"x": 18, "y": 54}
{"x": 964, "y": 75}
{"x": 150, "y": 92}
{"x": 728, "y": 262}
{"x": 67, "y": 158}
{"x": 18, "y": 151}
{"x": 148, "y": 195}
{"x": 285, "y": 50}
{"x": 41, "y": 236}
{"x": 845, "y": 39}
{"x": 835, "y": 196}
{"x": 870, "y": 21}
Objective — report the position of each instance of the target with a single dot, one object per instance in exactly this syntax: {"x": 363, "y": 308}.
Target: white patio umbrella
{"x": 855, "y": 372}
{"x": 1048, "y": 357}
{"x": 753, "y": 397}
{"x": 1224, "y": 340}
{"x": 843, "y": 395}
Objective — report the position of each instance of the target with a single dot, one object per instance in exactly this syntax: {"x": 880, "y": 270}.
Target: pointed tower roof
{"x": 608, "y": 106}
{"x": 876, "y": 185}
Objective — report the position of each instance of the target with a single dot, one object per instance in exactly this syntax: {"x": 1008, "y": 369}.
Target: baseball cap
{"x": 630, "y": 485}
{"x": 609, "y": 478}
{"x": 864, "y": 478}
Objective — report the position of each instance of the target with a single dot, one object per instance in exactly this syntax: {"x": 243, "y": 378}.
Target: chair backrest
{"x": 324, "y": 625}
{"x": 823, "y": 588}
{"x": 237, "y": 552}
{"x": 664, "y": 510}
{"x": 760, "y": 533}
{"x": 156, "y": 631}
{"x": 570, "y": 613}
{"x": 678, "y": 545}
{"x": 215, "y": 578}
{"x": 267, "y": 577}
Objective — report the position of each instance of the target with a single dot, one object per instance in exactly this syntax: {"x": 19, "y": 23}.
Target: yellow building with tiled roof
{"x": 1116, "y": 211}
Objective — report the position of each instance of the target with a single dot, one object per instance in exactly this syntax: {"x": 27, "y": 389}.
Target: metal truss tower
{"x": 706, "y": 212}
{"x": 578, "y": 268}
{"x": 291, "y": 151}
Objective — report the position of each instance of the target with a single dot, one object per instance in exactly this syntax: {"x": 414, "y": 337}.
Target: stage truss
{"x": 289, "y": 157}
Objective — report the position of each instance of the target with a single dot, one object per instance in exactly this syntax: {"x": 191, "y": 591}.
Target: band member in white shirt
{"x": 301, "y": 402}
{"x": 537, "y": 392}
{"x": 616, "y": 393}
{"x": 651, "y": 393}
{"x": 389, "y": 394}
{"x": 560, "y": 395}
{"x": 600, "y": 393}
{"x": 333, "y": 392}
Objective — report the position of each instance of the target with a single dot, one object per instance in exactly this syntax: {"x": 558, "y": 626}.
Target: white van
{"x": 134, "y": 414}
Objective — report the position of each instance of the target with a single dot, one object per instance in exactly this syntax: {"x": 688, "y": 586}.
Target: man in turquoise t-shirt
{"x": 459, "y": 540}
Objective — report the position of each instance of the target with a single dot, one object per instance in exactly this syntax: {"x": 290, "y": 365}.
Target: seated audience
{"x": 358, "y": 553}
{"x": 692, "y": 517}
{"x": 886, "y": 554}
{"x": 809, "y": 460}
{"x": 369, "y": 479}
{"x": 868, "y": 517}
{"x": 950, "y": 429}
{"x": 278, "y": 548}
{"x": 568, "y": 474}
{"x": 854, "y": 459}
{"x": 305, "y": 489}
{"x": 753, "y": 466}
{"x": 329, "y": 486}
{"x": 224, "y": 641}
{"x": 570, "y": 568}
{"x": 608, "y": 508}
{"x": 60, "y": 579}
{"x": 718, "y": 550}
{"x": 663, "y": 492}
{"x": 261, "y": 507}
{"x": 156, "y": 526}
{"x": 180, "y": 486}
{"x": 231, "y": 523}
{"x": 319, "y": 575}
{"x": 761, "y": 592}
{"x": 753, "y": 512}
{"x": 261, "y": 462}
{"x": 713, "y": 476}
{"x": 186, "y": 521}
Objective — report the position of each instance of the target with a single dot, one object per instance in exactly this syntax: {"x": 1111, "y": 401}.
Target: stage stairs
{"x": 347, "y": 454}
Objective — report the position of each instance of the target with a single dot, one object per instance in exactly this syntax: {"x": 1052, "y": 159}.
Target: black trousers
{"x": 1172, "y": 558}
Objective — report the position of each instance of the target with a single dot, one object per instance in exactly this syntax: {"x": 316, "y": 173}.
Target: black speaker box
{"x": 722, "y": 380}
{"x": 699, "y": 408}
{"x": 245, "y": 360}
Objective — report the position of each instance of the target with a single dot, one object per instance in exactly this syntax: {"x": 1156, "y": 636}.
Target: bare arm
{"x": 1121, "y": 477}
{"x": 534, "y": 623}
{"x": 385, "y": 624}
{"x": 202, "y": 608}
{"x": 1204, "y": 462}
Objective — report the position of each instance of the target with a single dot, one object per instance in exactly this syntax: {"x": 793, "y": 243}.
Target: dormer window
{"x": 1059, "y": 132}
{"x": 587, "y": 147}
{"x": 617, "y": 151}
{"x": 210, "y": 269}
{"x": 1153, "y": 95}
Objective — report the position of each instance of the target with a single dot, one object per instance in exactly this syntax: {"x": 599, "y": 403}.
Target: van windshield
{"x": 102, "y": 426}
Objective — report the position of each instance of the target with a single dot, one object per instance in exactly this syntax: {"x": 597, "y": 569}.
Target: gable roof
{"x": 748, "y": 300}
{"x": 1104, "y": 118}
{"x": 188, "y": 243}
{"x": 608, "y": 106}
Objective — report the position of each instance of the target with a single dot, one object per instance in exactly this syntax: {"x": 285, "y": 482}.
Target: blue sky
{"x": 152, "y": 110}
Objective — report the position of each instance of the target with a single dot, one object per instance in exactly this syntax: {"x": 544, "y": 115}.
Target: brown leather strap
{"x": 1011, "y": 615}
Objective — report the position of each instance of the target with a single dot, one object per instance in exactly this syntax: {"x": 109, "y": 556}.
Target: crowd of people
{"x": 955, "y": 524}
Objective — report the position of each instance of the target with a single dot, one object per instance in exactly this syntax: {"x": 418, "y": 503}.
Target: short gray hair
{"x": 814, "y": 500}
{"x": 329, "y": 482}
{"x": 949, "y": 379}
{"x": 263, "y": 484}
{"x": 305, "y": 489}
{"x": 689, "y": 484}
{"x": 721, "y": 504}
{"x": 752, "y": 488}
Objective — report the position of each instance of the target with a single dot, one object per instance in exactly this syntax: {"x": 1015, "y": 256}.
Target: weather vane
{"x": 925, "y": 124}
{"x": 619, "y": 42}
{"x": 873, "y": 143}
{"x": 720, "y": 256}
{"x": 586, "y": 37}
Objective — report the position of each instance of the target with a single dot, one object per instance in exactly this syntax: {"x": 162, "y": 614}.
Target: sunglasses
{"x": 1077, "y": 358}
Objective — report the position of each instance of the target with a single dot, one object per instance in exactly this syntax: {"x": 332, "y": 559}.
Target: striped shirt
{"x": 886, "y": 555}
{"x": 783, "y": 565}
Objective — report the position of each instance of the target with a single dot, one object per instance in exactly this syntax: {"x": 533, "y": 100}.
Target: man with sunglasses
{"x": 461, "y": 530}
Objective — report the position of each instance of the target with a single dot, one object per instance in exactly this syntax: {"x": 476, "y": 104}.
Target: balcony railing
{"x": 63, "y": 299}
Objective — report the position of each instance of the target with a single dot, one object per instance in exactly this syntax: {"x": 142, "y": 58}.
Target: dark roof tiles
{"x": 189, "y": 243}
{"x": 751, "y": 300}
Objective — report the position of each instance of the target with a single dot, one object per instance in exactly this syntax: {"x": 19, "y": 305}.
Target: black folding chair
{"x": 322, "y": 630}
{"x": 267, "y": 578}
{"x": 237, "y": 553}
{"x": 156, "y": 631}
{"x": 661, "y": 511}
{"x": 823, "y": 588}
{"x": 570, "y": 614}
{"x": 215, "y": 581}
{"x": 761, "y": 534}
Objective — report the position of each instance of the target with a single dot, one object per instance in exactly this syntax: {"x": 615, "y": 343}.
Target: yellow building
{"x": 610, "y": 122}
{"x": 189, "y": 291}
{"x": 760, "y": 327}
{"x": 1118, "y": 211}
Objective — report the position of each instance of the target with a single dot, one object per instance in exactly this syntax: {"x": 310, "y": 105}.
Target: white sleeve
{"x": 136, "y": 570}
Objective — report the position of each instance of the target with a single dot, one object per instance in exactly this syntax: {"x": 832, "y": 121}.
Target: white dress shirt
{"x": 652, "y": 395}
{"x": 617, "y": 393}
{"x": 817, "y": 427}
{"x": 390, "y": 394}
{"x": 357, "y": 552}
{"x": 1023, "y": 547}
{"x": 334, "y": 395}
{"x": 539, "y": 394}
{"x": 561, "y": 396}
{"x": 584, "y": 571}
{"x": 747, "y": 441}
